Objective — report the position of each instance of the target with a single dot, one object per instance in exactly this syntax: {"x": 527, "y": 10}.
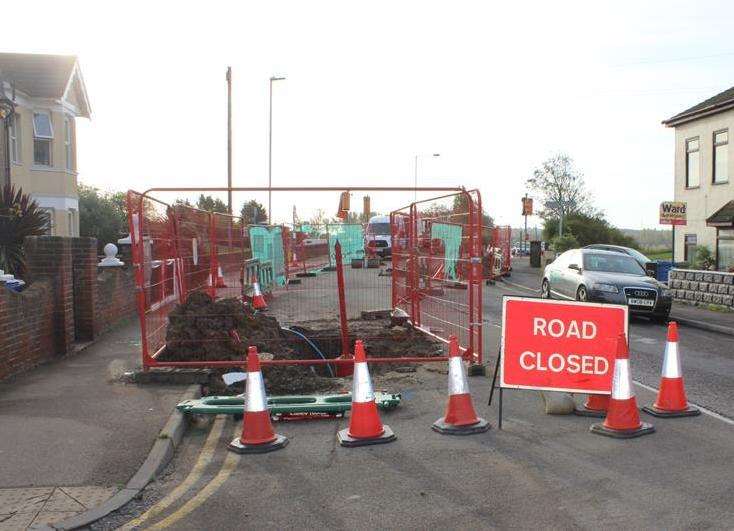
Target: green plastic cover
{"x": 450, "y": 235}
{"x": 267, "y": 246}
{"x": 351, "y": 238}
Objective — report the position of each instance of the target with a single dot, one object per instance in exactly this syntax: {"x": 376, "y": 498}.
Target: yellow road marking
{"x": 205, "y": 457}
{"x": 230, "y": 463}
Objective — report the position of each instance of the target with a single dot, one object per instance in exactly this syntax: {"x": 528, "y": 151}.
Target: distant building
{"x": 704, "y": 171}
{"x": 39, "y": 150}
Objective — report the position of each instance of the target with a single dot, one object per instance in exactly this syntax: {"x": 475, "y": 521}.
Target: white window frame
{"x": 70, "y": 216}
{"x": 14, "y": 133}
{"x": 688, "y": 152}
{"x": 68, "y": 144}
{"x": 43, "y": 138}
{"x": 716, "y": 179}
{"x": 51, "y": 229}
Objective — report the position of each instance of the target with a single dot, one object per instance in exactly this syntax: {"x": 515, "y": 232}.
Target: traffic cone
{"x": 623, "y": 418}
{"x": 258, "y": 436}
{"x": 460, "y": 417}
{"x": 671, "y": 400}
{"x": 258, "y": 301}
{"x": 365, "y": 426}
{"x": 595, "y": 406}
{"x": 220, "y": 278}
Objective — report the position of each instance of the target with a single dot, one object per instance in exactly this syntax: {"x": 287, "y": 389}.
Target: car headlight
{"x": 607, "y": 288}
{"x": 665, "y": 292}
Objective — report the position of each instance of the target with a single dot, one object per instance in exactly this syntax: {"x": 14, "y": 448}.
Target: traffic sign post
{"x": 558, "y": 345}
{"x": 673, "y": 213}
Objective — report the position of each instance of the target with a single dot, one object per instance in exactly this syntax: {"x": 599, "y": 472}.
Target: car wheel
{"x": 581, "y": 294}
{"x": 545, "y": 289}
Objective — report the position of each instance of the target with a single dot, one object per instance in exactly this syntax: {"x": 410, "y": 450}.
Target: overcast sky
{"x": 493, "y": 87}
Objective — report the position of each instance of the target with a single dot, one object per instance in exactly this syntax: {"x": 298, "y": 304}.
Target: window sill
{"x": 692, "y": 187}
{"x": 37, "y": 167}
{"x": 721, "y": 182}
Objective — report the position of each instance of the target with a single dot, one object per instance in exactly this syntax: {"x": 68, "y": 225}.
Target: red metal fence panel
{"x": 437, "y": 268}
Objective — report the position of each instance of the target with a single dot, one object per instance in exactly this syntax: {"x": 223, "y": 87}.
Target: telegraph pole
{"x": 229, "y": 139}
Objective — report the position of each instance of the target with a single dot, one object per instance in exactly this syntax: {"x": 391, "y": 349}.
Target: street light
{"x": 415, "y": 171}
{"x": 270, "y": 150}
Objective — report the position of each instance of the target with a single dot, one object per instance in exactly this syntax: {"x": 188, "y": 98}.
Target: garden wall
{"x": 702, "y": 287}
{"x": 69, "y": 300}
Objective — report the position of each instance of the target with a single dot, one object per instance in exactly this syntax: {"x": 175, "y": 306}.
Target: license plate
{"x": 641, "y": 302}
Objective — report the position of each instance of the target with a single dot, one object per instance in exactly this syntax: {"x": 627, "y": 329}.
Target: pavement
{"x": 73, "y": 433}
{"x": 539, "y": 470}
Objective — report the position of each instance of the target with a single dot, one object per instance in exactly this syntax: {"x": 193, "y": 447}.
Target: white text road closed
{"x": 561, "y": 346}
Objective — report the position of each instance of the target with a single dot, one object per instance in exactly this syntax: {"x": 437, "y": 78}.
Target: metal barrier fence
{"x": 499, "y": 252}
{"x": 437, "y": 268}
{"x": 179, "y": 250}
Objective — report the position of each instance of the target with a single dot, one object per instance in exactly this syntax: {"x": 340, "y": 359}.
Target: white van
{"x": 377, "y": 235}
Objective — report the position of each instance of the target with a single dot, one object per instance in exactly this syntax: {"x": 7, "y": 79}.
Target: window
{"x": 721, "y": 157}
{"x": 14, "y": 138}
{"x": 689, "y": 247}
{"x": 725, "y": 250}
{"x": 43, "y": 134}
{"x": 693, "y": 174}
{"x": 70, "y": 217}
{"x": 68, "y": 144}
{"x": 51, "y": 225}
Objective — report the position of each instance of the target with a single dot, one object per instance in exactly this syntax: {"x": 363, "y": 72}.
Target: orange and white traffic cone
{"x": 460, "y": 417}
{"x": 623, "y": 418}
{"x": 595, "y": 406}
{"x": 257, "y": 436}
{"x": 220, "y": 278}
{"x": 672, "y": 400}
{"x": 258, "y": 301}
{"x": 365, "y": 426}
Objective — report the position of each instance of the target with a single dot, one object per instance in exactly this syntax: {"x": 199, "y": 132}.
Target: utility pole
{"x": 270, "y": 150}
{"x": 229, "y": 139}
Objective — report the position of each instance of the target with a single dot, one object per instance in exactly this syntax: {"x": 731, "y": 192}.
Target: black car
{"x": 605, "y": 276}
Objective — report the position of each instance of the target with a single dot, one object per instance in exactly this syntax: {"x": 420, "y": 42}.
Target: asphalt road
{"x": 539, "y": 471}
{"x": 707, "y": 357}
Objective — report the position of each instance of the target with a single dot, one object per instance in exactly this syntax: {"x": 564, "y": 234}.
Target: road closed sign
{"x": 559, "y": 345}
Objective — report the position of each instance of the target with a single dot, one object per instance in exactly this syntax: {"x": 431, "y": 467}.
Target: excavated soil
{"x": 200, "y": 330}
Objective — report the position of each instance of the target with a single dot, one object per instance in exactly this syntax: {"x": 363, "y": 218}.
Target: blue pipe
{"x": 313, "y": 346}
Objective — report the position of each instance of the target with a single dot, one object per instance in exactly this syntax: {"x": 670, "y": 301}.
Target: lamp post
{"x": 270, "y": 150}
{"x": 415, "y": 172}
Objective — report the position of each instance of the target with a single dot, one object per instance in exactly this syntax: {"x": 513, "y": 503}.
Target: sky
{"x": 494, "y": 88}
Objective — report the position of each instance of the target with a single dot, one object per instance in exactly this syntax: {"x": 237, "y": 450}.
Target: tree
{"x": 102, "y": 215}
{"x": 20, "y": 216}
{"x": 211, "y": 204}
{"x": 561, "y": 188}
{"x": 588, "y": 229}
{"x": 253, "y": 213}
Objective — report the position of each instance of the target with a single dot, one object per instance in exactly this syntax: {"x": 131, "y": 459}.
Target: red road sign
{"x": 559, "y": 345}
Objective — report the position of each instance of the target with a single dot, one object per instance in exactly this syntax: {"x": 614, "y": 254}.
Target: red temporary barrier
{"x": 437, "y": 268}
{"x": 179, "y": 250}
{"x": 498, "y": 252}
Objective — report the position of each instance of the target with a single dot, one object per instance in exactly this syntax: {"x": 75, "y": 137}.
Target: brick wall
{"x": 702, "y": 287}
{"x": 69, "y": 299}
{"x": 27, "y": 330}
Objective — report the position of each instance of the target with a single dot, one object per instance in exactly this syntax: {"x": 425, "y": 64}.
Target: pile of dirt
{"x": 200, "y": 330}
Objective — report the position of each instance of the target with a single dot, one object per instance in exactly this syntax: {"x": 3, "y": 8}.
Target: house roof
{"x": 724, "y": 217}
{"x": 45, "y": 76}
{"x": 721, "y": 102}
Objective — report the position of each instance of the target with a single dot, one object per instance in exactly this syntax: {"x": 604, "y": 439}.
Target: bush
{"x": 588, "y": 230}
{"x": 704, "y": 259}
{"x": 20, "y": 216}
{"x": 102, "y": 215}
{"x": 563, "y": 243}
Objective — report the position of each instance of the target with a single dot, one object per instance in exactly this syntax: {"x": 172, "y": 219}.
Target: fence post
{"x": 342, "y": 370}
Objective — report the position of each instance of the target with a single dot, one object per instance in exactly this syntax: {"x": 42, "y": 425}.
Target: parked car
{"x": 593, "y": 275}
{"x": 634, "y": 253}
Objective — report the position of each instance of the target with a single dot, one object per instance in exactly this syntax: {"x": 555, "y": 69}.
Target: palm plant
{"x": 20, "y": 216}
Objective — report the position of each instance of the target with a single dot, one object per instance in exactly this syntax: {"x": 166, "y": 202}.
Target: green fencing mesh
{"x": 267, "y": 246}
{"x": 450, "y": 235}
{"x": 351, "y": 238}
